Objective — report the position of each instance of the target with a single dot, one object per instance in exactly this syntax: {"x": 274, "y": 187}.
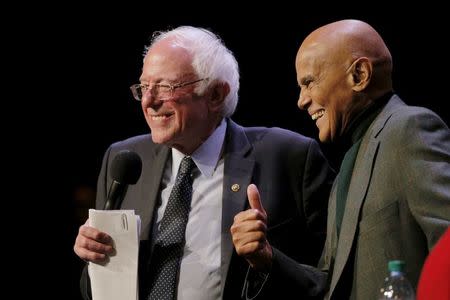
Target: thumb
{"x": 254, "y": 199}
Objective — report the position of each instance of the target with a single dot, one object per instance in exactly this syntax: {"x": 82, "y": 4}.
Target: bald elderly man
{"x": 391, "y": 198}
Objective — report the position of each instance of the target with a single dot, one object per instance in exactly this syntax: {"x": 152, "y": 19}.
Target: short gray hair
{"x": 210, "y": 59}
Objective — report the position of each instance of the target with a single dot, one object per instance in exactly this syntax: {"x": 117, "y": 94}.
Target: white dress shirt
{"x": 200, "y": 266}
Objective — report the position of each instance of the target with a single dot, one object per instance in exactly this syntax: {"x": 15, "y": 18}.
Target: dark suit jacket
{"x": 292, "y": 176}
{"x": 398, "y": 202}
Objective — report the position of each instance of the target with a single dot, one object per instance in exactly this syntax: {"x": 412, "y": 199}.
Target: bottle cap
{"x": 396, "y": 265}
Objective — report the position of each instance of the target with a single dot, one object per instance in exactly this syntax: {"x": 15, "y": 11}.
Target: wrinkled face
{"x": 184, "y": 120}
{"x": 326, "y": 91}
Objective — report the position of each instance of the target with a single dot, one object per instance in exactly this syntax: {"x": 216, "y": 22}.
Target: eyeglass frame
{"x": 171, "y": 87}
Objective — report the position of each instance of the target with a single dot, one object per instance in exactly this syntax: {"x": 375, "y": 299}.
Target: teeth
{"x": 156, "y": 118}
{"x": 317, "y": 115}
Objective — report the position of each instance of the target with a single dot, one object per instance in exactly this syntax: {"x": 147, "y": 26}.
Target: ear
{"x": 361, "y": 73}
{"x": 219, "y": 92}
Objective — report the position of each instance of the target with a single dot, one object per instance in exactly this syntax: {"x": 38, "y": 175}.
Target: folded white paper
{"x": 117, "y": 278}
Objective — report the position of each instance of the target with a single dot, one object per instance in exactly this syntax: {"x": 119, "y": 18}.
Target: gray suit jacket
{"x": 398, "y": 201}
{"x": 291, "y": 173}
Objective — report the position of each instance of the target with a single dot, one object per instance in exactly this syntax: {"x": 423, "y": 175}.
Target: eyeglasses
{"x": 162, "y": 92}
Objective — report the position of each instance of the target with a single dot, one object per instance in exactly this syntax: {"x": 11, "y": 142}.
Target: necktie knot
{"x": 186, "y": 166}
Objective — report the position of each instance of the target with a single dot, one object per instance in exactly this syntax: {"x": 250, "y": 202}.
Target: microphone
{"x": 126, "y": 169}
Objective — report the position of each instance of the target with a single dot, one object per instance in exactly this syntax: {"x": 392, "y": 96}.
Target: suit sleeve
{"x": 85, "y": 282}
{"x": 424, "y": 157}
{"x": 317, "y": 182}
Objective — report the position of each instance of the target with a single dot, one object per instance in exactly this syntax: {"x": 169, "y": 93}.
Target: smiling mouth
{"x": 161, "y": 117}
{"x": 318, "y": 114}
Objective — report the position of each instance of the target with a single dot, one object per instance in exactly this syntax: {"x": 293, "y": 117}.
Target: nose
{"x": 148, "y": 93}
{"x": 147, "y": 97}
{"x": 303, "y": 100}
{"x": 151, "y": 98}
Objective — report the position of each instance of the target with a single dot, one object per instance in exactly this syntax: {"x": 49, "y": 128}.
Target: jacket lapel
{"x": 238, "y": 171}
{"x": 359, "y": 185}
{"x": 326, "y": 261}
{"x": 152, "y": 172}
{"x": 355, "y": 198}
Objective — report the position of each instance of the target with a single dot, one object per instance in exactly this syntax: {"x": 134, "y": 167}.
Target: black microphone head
{"x": 126, "y": 167}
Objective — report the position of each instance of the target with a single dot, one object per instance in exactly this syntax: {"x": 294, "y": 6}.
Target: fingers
{"x": 92, "y": 244}
{"x": 95, "y": 234}
{"x": 247, "y": 243}
{"x": 254, "y": 199}
{"x": 248, "y": 232}
{"x": 250, "y": 242}
{"x": 239, "y": 229}
{"x": 249, "y": 249}
{"x": 250, "y": 215}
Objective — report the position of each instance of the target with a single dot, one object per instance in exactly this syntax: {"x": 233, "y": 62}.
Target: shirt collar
{"x": 362, "y": 122}
{"x": 207, "y": 155}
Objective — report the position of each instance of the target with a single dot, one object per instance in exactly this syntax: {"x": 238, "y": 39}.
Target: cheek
{"x": 330, "y": 100}
{"x": 333, "y": 112}
{"x": 320, "y": 96}
{"x": 144, "y": 108}
{"x": 335, "y": 117}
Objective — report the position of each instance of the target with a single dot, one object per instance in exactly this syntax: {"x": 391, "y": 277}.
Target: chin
{"x": 324, "y": 137}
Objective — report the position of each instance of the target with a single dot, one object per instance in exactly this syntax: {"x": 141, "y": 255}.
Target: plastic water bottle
{"x": 396, "y": 285}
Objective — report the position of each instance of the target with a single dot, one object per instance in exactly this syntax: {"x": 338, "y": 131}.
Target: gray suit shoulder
{"x": 409, "y": 118}
{"x": 402, "y": 112}
{"x": 140, "y": 144}
{"x": 133, "y": 141}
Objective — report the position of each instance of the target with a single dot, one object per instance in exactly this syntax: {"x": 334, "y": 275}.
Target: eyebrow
{"x": 305, "y": 79}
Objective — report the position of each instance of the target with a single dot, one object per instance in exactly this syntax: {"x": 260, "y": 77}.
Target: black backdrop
{"x": 91, "y": 55}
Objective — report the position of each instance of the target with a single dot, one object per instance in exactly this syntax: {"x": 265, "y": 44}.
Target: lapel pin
{"x": 235, "y": 187}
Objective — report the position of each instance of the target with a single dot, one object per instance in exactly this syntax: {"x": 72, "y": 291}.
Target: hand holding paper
{"x": 116, "y": 277}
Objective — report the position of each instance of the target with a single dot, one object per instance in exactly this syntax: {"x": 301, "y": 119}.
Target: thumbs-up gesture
{"x": 249, "y": 233}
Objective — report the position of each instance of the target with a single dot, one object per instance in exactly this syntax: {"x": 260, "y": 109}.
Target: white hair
{"x": 210, "y": 59}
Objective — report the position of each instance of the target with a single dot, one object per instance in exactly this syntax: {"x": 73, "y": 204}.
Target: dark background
{"x": 87, "y": 57}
